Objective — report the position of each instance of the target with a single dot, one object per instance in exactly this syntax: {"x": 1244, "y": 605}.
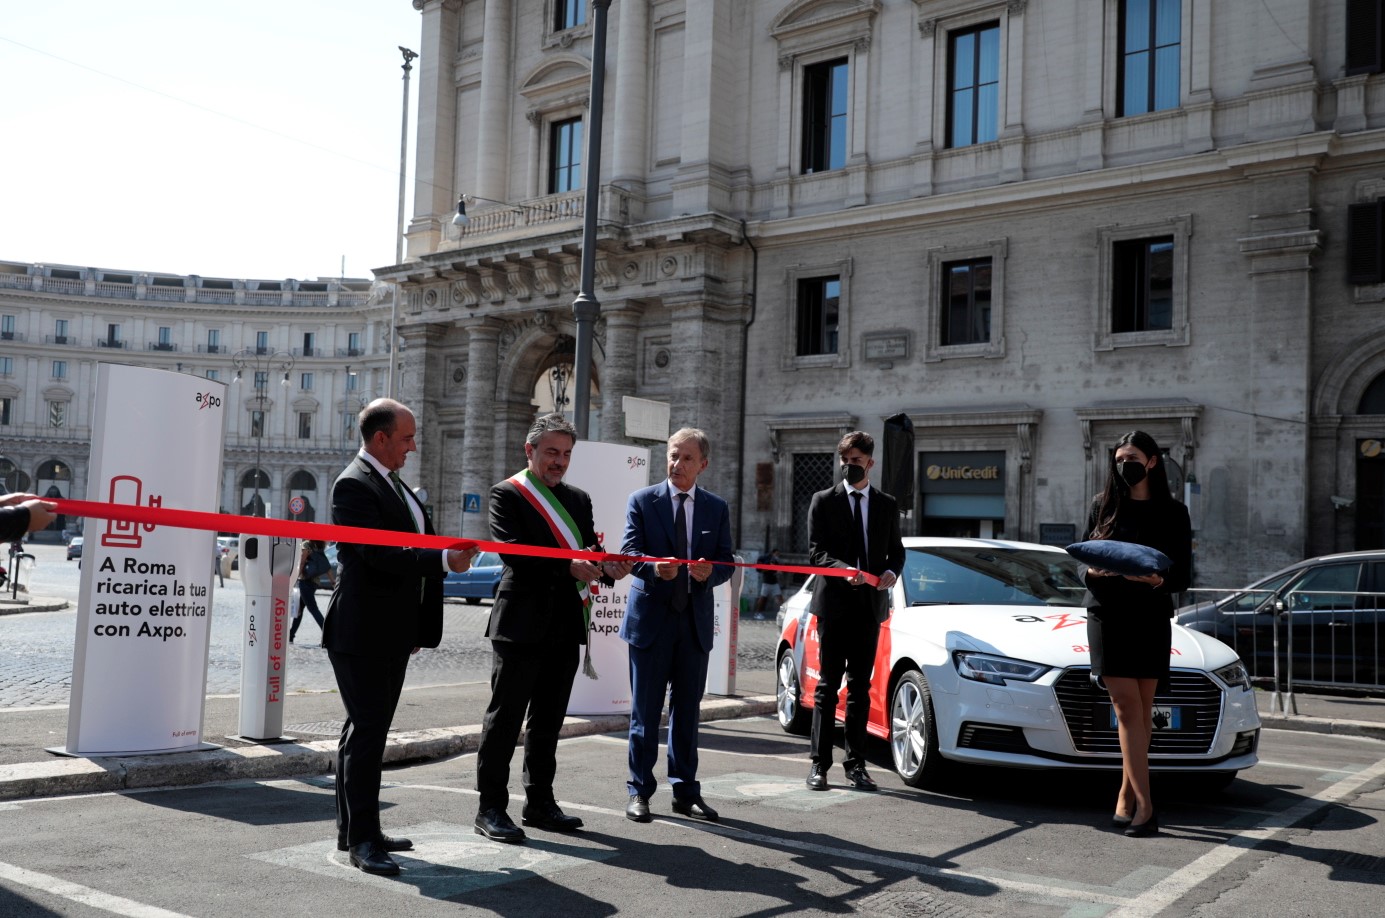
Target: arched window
{"x": 54, "y": 479}
{"x": 1373, "y": 399}
{"x": 302, "y": 481}
{"x": 302, "y": 490}
{"x": 248, "y": 480}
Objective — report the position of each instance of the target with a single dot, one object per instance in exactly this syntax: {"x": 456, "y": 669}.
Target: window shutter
{"x": 1364, "y": 244}
{"x": 1364, "y": 36}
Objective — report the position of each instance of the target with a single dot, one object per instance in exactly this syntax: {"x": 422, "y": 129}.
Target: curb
{"x": 34, "y": 604}
{"x": 1333, "y": 726}
{"x": 61, "y": 776}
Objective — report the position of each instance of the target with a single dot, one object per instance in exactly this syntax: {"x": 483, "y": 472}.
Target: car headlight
{"x": 1234, "y": 675}
{"x": 985, "y": 667}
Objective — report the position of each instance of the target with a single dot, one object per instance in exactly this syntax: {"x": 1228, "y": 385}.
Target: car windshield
{"x": 990, "y": 574}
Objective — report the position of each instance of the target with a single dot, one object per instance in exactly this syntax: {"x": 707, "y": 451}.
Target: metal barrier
{"x": 1314, "y": 638}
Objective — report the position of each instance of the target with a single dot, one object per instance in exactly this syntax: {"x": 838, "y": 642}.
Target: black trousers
{"x": 307, "y": 599}
{"x": 846, "y": 644}
{"x": 525, "y": 678}
{"x": 370, "y": 687}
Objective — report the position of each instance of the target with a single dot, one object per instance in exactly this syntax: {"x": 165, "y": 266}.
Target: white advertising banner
{"x": 610, "y": 473}
{"x": 721, "y": 663}
{"x": 139, "y": 668}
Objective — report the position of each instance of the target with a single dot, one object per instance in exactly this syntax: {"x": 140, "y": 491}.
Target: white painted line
{"x": 84, "y": 895}
{"x": 1179, "y": 883}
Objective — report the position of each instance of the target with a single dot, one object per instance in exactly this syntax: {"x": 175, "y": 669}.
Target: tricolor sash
{"x": 565, "y": 530}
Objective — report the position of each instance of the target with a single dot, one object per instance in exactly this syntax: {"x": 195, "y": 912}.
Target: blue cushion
{"x": 1120, "y": 557}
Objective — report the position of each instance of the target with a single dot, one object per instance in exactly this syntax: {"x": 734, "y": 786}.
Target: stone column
{"x": 435, "y": 156}
{"x": 631, "y": 153}
{"x": 483, "y": 338}
{"x": 618, "y": 370}
{"x": 492, "y": 152}
{"x": 705, "y": 370}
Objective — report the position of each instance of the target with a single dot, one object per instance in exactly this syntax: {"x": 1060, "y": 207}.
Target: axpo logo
{"x": 635, "y": 462}
{"x": 207, "y": 400}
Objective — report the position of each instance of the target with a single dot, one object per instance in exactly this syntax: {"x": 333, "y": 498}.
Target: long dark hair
{"x": 1108, "y": 502}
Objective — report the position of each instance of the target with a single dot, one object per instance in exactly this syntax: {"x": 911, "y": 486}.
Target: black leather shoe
{"x": 638, "y": 809}
{"x": 860, "y": 778}
{"x": 1120, "y": 822}
{"x": 371, "y": 858}
{"x": 817, "y": 777}
{"x": 695, "y": 808}
{"x": 1144, "y": 829}
{"x": 549, "y": 816}
{"x": 384, "y": 841}
{"x": 497, "y": 826}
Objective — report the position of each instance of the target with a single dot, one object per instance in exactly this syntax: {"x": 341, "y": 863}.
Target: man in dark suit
{"x": 537, "y": 627}
{"x": 854, "y": 526}
{"x": 387, "y": 604}
{"x": 669, "y": 619}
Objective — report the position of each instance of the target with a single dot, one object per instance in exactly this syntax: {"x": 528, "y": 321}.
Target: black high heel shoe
{"x": 1120, "y": 822}
{"x": 1145, "y": 829}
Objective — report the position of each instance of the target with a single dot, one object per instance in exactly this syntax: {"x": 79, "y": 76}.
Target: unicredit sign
{"x": 963, "y": 473}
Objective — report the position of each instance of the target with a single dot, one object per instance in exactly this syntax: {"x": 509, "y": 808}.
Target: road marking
{"x": 1179, "y": 883}
{"x": 85, "y": 895}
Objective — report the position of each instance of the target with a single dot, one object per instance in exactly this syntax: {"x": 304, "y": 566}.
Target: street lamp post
{"x": 261, "y": 361}
{"x": 409, "y": 57}
{"x": 586, "y": 308}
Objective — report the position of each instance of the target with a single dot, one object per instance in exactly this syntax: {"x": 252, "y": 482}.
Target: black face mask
{"x": 854, "y": 474}
{"x": 1132, "y": 472}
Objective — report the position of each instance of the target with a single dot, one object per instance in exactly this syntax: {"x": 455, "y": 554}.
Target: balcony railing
{"x": 350, "y": 352}
{"x": 112, "y": 343}
{"x": 11, "y": 336}
{"x": 307, "y": 352}
{"x": 162, "y": 346}
{"x": 211, "y": 348}
{"x": 68, "y": 340}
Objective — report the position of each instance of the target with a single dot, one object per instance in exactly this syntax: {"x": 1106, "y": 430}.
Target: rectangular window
{"x": 7, "y": 328}
{"x": 565, "y": 156}
{"x": 353, "y": 344}
{"x": 6, "y": 366}
{"x": 214, "y": 375}
{"x": 309, "y": 344}
{"x": 257, "y": 423}
{"x": 305, "y": 382}
{"x": 1366, "y": 242}
{"x": 966, "y": 302}
{"x": 350, "y": 382}
{"x": 213, "y": 340}
{"x": 57, "y": 414}
{"x": 261, "y": 380}
{"x": 569, "y": 14}
{"x": 165, "y": 338}
{"x": 112, "y": 335}
{"x": 261, "y": 342}
{"x": 59, "y": 331}
{"x": 1142, "y": 285}
{"x": 973, "y": 85}
{"x": 824, "y": 116}
{"x": 348, "y": 426}
{"x": 819, "y": 304}
{"x": 305, "y": 425}
{"x": 1365, "y": 36}
{"x": 6, "y": 412}
{"x": 1150, "y": 32}
{"x": 60, "y": 369}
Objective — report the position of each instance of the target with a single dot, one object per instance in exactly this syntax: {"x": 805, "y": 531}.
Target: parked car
{"x": 478, "y": 583}
{"x": 74, "y": 548}
{"x": 1333, "y": 608}
{"x": 984, "y": 659}
{"x": 230, "y": 546}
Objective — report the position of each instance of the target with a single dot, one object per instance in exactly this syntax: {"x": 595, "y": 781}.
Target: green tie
{"x": 399, "y": 489}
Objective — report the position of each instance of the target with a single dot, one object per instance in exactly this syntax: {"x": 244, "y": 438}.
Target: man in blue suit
{"x": 669, "y": 620}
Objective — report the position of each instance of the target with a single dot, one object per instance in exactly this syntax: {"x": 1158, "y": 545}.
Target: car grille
{"x": 1085, "y": 707}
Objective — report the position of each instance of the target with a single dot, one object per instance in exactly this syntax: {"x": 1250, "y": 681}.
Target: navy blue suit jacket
{"x": 649, "y": 531}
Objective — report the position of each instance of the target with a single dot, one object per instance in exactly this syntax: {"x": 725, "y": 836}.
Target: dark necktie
{"x": 858, "y": 532}
{"x": 680, "y": 548}
{"x": 399, "y": 489}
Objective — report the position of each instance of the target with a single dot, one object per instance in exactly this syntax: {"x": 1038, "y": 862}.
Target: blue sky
{"x": 251, "y": 139}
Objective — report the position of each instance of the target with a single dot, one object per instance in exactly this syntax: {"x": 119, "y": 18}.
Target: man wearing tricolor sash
{"x": 538, "y": 627}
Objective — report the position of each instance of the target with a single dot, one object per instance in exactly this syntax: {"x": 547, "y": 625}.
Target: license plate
{"x": 1166, "y": 717}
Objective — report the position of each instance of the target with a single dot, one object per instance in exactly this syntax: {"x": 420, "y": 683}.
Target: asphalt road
{"x": 1298, "y": 835}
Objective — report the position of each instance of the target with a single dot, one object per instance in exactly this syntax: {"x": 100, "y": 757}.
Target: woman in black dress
{"x": 1128, "y": 622}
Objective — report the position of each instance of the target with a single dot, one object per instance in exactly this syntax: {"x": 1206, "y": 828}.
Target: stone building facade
{"x": 327, "y": 339}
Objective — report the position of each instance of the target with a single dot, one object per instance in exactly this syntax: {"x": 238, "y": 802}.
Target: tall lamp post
{"x": 408, "y": 67}
{"x": 261, "y": 361}
{"x": 586, "y": 308}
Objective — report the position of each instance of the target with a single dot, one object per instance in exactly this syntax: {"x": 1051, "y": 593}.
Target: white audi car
{"x": 984, "y": 659}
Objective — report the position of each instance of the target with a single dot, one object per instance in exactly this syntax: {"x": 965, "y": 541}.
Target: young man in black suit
{"x": 854, "y": 526}
{"x": 387, "y": 604}
{"x": 537, "y": 629}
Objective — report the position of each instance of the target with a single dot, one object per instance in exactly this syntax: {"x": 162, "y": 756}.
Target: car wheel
{"x": 473, "y": 600}
{"x": 914, "y": 732}
{"x": 792, "y": 716}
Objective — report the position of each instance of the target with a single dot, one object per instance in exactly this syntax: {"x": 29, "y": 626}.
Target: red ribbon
{"x": 358, "y": 535}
